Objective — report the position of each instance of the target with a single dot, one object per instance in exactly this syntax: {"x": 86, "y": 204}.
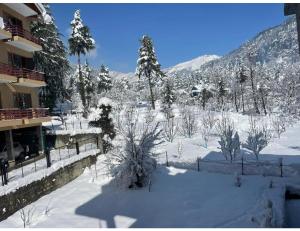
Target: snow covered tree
{"x": 104, "y": 80}
{"x": 101, "y": 117}
{"x": 221, "y": 92}
{"x": 52, "y": 60}
{"x": 88, "y": 84}
{"x": 168, "y": 94}
{"x": 255, "y": 143}
{"x": 80, "y": 42}
{"x": 133, "y": 162}
{"x": 148, "y": 66}
{"x": 256, "y": 140}
{"x": 230, "y": 144}
{"x": 188, "y": 126}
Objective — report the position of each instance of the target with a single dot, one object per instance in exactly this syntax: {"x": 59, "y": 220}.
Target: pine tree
{"x": 168, "y": 94}
{"x": 52, "y": 60}
{"x": 80, "y": 42}
{"x": 104, "y": 80}
{"x": 102, "y": 119}
{"x": 148, "y": 66}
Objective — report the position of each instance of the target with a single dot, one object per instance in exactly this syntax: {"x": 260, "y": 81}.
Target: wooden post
{"x": 198, "y": 163}
{"x": 80, "y": 124}
{"x": 242, "y": 165}
{"x": 77, "y": 148}
{"x": 280, "y": 165}
{"x": 150, "y": 183}
{"x": 167, "y": 162}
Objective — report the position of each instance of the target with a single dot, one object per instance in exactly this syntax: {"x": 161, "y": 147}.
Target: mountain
{"x": 276, "y": 47}
{"x": 191, "y": 65}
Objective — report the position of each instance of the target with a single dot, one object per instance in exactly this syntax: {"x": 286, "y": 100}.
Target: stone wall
{"x": 23, "y": 196}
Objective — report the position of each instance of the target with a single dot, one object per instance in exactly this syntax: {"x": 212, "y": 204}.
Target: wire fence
{"x": 51, "y": 156}
{"x": 240, "y": 167}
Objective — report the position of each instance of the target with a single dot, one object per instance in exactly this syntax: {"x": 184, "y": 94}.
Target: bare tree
{"x": 26, "y": 215}
{"x": 188, "y": 122}
{"x": 170, "y": 126}
{"x": 208, "y": 121}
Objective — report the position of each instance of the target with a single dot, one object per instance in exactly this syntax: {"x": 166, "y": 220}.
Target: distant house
{"x": 196, "y": 90}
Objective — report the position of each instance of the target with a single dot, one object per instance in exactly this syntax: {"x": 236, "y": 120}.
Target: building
{"x": 20, "y": 114}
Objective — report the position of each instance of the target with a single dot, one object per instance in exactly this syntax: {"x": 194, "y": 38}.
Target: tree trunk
{"x": 81, "y": 87}
{"x": 235, "y": 102}
{"x": 253, "y": 92}
{"x": 151, "y": 92}
{"x": 242, "y": 93}
{"x": 263, "y": 101}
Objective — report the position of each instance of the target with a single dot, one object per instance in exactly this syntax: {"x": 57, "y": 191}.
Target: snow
{"x": 178, "y": 198}
{"x": 193, "y": 64}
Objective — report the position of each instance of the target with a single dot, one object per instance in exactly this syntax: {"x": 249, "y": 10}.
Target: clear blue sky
{"x": 180, "y": 31}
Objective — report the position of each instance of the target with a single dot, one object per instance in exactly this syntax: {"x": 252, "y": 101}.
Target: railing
{"x": 10, "y": 114}
{"x": 19, "y": 31}
{"x": 21, "y": 72}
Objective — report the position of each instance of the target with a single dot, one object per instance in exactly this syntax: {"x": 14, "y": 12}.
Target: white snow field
{"x": 177, "y": 198}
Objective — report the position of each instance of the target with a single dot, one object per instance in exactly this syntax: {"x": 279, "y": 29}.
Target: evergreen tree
{"x": 168, "y": 94}
{"x": 104, "y": 80}
{"x": 80, "y": 42}
{"x": 101, "y": 118}
{"x": 148, "y": 66}
{"x": 52, "y": 60}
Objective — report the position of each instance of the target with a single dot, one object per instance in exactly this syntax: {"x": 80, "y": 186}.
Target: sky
{"x": 180, "y": 32}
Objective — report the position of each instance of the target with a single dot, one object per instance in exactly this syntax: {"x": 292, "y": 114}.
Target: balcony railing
{"x": 30, "y": 113}
{"x": 19, "y": 31}
{"x": 21, "y": 72}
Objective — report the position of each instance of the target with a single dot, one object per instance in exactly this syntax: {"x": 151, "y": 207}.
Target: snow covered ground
{"x": 178, "y": 198}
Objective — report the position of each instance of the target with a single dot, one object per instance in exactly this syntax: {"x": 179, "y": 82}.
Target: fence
{"x": 27, "y": 167}
{"x": 241, "y": 167}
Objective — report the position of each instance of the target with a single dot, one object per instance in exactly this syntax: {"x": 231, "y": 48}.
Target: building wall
{"x": 7, "y": 91}
{"x": 6, "y": 48}
{"x": 25, "y": 21}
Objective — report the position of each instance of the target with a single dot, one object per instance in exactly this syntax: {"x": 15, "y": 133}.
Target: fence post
{"x": 77, "y": 148}
{"x": 280, "y": 165}
{"x": 48, "y": 158}
{"x": 80, "y": 124}
{"x": 167, "y": 162}
{"x": 97, "y": 141}
{"x": 198, "y": 163}
{"x": 242, "y": 165}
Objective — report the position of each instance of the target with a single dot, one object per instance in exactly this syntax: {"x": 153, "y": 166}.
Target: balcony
{"x": 21, "y": 76}
{"x": 16, "y": 118}
{"x": 23, "y": 39}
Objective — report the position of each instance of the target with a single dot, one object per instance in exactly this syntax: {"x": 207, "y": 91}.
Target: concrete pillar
{"x": 41, "y": 138}
{"x": 9, "y": 145}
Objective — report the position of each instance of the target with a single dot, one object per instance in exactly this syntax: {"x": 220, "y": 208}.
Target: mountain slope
{"x": 193, "y": 64}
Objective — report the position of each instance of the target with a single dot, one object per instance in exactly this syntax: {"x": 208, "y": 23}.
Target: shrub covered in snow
{"x": 230, "y": 141}
{"x": 256, "y": 140}
{"x": 133, "y": 162}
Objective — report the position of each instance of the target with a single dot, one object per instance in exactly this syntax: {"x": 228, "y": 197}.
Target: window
{"x": 22, "y": 100}
{"x": 11, "y": 20}
{"x": 20, "y": 62}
